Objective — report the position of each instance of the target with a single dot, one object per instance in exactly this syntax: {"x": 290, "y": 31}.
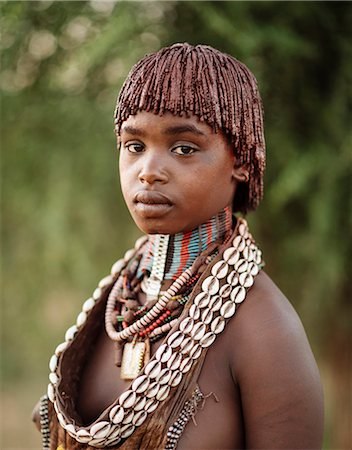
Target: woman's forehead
{"x": 167, "y": 123}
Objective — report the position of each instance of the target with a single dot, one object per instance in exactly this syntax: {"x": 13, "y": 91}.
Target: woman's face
{"x": 175, "y": 172}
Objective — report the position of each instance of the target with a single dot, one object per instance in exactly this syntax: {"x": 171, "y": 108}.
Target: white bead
{"x": 128, "y": 255}
{"x": 105, "y": 281}
{"x": 88, "y": 304}
{"x": 53, "y": 378}
{"x": 81, "y": 319}
{"x": 70, "y": 333}
{"x": 51, "y": 392}
{"x": 117, "y": 267}
{"x": 97, "y": 293}
{"x": 53, "y": 363}
{"x": 60, "y": 348}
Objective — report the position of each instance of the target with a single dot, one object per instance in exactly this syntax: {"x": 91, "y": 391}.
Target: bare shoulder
{"x": 266, "y": 312}
{"x": 272, "y": 363}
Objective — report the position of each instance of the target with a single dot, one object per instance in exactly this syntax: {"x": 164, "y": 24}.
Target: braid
{"x": 217, "y": 88}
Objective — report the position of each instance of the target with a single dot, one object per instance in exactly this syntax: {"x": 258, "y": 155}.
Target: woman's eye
{"x": 134, "y": 148}
{"x": 184, "y": 150}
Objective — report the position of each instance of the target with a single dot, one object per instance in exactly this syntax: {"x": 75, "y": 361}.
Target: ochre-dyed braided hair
{"x": 217, "y": 88}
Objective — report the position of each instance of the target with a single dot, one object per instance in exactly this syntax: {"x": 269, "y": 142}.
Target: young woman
{"x": 188, "y": 343}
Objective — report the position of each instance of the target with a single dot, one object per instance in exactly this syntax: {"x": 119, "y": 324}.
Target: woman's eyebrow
{"x": 178, "y": 129}
{"x": 132, "y": 130}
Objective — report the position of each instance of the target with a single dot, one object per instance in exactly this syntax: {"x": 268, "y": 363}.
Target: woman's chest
{"x": 218, "y": 416}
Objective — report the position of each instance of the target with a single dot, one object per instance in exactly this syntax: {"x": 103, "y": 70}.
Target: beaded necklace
{"x": 125, "y": 319}
{"x": 183, "y": 248}
{"x": 221, "y": 288}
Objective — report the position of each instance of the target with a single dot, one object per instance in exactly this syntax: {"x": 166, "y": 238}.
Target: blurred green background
{"x": 64, "y": 221}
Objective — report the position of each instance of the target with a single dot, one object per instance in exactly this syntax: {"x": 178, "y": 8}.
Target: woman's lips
{"x": 151, "y": 204}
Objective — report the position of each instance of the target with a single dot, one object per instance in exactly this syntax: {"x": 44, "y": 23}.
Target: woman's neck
{"x": 171, "y": 255}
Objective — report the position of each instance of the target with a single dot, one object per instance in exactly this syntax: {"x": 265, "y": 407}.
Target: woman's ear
{"x": 241, "y": 173}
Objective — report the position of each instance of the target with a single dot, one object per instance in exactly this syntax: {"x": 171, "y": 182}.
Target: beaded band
{"x": 188, "y": 411}
{"x": 44, "y": 422}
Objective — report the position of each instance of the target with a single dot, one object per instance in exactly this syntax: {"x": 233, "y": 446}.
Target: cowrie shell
{"x": 83, "y": 436}
{"x": 228, "y": 309}
{"x": 215, "y": 303}
{"x": 140, "y": 404}
{"x": 207, "y": 340}
{"x": 196, "y": 351}
{"x": 225, "y": 290}
{"x": 186, "y": 365}
{"x": 153, "y": 390}
{"x": 246, "y": 279}
{"x": 220, "y": 269}
{"x": 153, "y": 368}
{"x": 187, "y": 345}
{"x": 232, "y": 278}
{"x": 175, "y": 379}
{"x": 117, "y": 414}
{"x": 217, "y": 325}
{"x": 127, "y": 399}
{"x": 207, "y": 316}
{"x": 164, "y": 376}
{"x": 127, "y": 430}
{"x": 100, "y": 430}
{"x": 88, "y": 304}
{"x": 97, "y": 442}
{"x": 112, "y": 441}
{"x": 139, "y": 418}
{"x": 163, "y": 353}
{"x": 174, "y": 362}
{"x": 239, "y": 243}
{"x": 114, "y": 432}
{"x": 231, "y": 255}
{"x": 175, "y": 339}
{"x": 163, "y": 393}
{"x": 253, "y": 269}
{"x": 201, "y": 300}
{"x": 151, "y": 405}
{"x": 198, "y": 331}
{"x": 140, "y": 384}
{"x": 248, "y": 254}
{"x": 187, "y": 325}
{"x": 128, "y": 417}
{"x": 242, "y": 229}
{"x": 258, "y": 256}
{"x": 241, "y": 265}
{"x": 238, "y": 294}
{"x": 194, "y": 312}
{"x": 211, "y": 285}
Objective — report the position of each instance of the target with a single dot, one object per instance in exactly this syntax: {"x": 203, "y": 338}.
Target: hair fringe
{"x": 215, "y": 87}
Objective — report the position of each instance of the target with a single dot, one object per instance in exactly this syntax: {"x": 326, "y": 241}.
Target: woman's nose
{"x": 152, "y": 170}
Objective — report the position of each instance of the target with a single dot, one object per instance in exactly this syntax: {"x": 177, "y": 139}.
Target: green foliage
{"x": 64, "y": 221}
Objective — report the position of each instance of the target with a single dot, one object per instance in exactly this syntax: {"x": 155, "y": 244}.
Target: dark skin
{"x": 266, "y": 385}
